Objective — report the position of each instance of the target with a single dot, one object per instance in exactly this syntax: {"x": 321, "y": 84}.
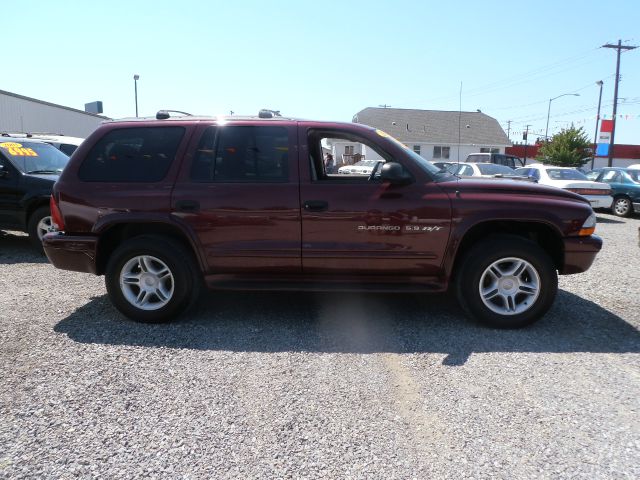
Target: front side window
{"x": 140, "y": 154}
{"x": 232, "y": 154}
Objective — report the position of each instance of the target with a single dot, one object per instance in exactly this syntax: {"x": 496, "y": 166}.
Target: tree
{"x": 569, "y": 148}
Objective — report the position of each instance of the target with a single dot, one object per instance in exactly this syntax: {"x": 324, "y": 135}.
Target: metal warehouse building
{"x": 24, "y": 114}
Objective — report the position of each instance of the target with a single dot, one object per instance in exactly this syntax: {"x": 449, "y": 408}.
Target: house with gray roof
{"x": 438, "y": 135}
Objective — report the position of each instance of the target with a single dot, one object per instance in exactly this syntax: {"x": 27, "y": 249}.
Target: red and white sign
{"x": 606, "y": 126}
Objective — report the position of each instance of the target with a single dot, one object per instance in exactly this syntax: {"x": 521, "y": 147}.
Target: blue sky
{"x": 328, "y": 60}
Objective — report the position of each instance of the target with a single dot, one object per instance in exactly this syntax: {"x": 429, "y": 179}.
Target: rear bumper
{"x": 73, "y": 253}
{"x": 579, "y": 253}
{"x": 599, "y": 201}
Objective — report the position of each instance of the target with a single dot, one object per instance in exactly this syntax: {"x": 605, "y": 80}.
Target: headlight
{"x": 589, "y": 226}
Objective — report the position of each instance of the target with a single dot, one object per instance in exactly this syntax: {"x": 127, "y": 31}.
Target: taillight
{"x": 590, "y": 191}
{"x": 56, "y": 216}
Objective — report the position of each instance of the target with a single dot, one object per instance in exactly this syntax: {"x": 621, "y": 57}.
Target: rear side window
{"x": 233, "y": 154}
{"x": 67, "y": 148}
{"x": 132, "y": 155}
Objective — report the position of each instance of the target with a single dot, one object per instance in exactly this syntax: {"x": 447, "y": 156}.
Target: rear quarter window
{"x": 141, "y": 154}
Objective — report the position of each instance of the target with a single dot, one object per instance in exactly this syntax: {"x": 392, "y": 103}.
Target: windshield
{"x": 495, "y": 169}
{"x": 421, "y": 161}
{"x": 365, "y": 163}
{"x": 32, "y": 157}
{"x": 565, "y": 174}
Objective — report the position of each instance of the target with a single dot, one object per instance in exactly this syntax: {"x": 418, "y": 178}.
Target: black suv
{"x": 28, "y": 170}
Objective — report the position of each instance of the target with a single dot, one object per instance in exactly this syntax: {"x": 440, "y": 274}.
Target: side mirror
{"x": 4, "y": 173}
{"x": 395, "y": 174}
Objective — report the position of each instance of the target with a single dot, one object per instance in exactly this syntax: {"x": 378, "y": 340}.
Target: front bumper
{"x": 75, "y": 253}
{"x": 579, "y": 253}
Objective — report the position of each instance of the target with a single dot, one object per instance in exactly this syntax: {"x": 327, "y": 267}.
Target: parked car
{"x": 625, "y": 188}
{"x": 498, "y": 158}
{"x": 450, "y": 167}
{"x": 363, "y": 167}
{"x": 65, "y": 144}
{"x": 487, "y": 170}
{"x": 28, "y": 170}
{"x": 598, "y": 194}
{"x": 163, "y": 206}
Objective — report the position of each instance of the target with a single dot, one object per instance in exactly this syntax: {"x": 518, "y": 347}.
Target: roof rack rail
{"x": 164, "y": 114}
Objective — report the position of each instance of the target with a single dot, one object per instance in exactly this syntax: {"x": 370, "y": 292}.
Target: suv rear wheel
{"x": 152, "y": 279}
{"x": 506, "y": 282}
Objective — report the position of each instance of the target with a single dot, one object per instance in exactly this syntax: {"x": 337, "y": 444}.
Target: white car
{"x": 472, "y": 169}
{"x": 598, "y": 193}
{"x": 363, "y": 167}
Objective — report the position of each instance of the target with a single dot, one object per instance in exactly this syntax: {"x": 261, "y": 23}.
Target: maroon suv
{"x": 164, "y": 206}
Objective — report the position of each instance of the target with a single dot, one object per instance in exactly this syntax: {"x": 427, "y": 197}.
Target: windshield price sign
{"x": 17, "y": 150}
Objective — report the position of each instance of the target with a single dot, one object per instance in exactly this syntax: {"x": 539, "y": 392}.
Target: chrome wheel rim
{"x": 146, "y": 282}
{"x": 45, "y": 225}
{"x": 622, "y": 206}
{"x": 509, "y": 286}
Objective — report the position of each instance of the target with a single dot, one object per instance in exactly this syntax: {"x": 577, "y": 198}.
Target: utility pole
{"x": 509, "y": 129}
{"x": 524, "y": 137}
{"x": 619, "y": 47}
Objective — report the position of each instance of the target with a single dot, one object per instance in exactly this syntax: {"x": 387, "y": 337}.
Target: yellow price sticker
{"x": 390, "y": 137}
{"x": 17, "y": 150}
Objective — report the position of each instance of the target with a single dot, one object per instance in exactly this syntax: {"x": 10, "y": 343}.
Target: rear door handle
{"x": 187, "y": 205}
{"x": 316, "y": 205}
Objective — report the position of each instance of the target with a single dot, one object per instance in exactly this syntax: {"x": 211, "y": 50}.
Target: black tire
{"x": 33, "y": 226}
{"x": 622, "y": 206}
{"x": 185, "y": 278}
{"x": 499, "y": 251}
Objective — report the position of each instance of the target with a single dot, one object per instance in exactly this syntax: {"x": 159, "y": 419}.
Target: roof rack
{"x": 164, "y": 114}
{"x": 266, "y": 113}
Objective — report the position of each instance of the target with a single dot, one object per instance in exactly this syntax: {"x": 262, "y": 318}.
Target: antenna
{"x": 460, "y": 122}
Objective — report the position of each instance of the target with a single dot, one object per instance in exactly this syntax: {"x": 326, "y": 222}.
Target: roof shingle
{"x": 435, "y": 126}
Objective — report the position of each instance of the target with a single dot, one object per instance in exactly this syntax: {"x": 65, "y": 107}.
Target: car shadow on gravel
{"x": 16, "y": 248}
{"x": 354, "y": 323}
{"x": 601, "y": 219}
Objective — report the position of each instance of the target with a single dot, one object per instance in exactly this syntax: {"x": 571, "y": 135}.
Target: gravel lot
{"x": 271, "y": 385}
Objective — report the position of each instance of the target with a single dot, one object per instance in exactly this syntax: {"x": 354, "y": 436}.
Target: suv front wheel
{"x": 507, "y": 282}
{"x": 152, "y": 279}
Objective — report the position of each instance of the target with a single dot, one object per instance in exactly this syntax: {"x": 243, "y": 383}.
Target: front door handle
{"x": 316, "y": 205}
{"x": 187, "y": 205}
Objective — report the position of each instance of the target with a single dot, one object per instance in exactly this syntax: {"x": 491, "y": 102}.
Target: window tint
{"x": 132, "y": 155}
{"x": 67, "y": 148}
{"x": 562, "y": 174}
{"x": 494, "y": 169}
{"x": 242, "y": 154}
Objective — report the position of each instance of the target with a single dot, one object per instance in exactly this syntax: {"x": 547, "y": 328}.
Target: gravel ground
{"x": 271, "y": 385}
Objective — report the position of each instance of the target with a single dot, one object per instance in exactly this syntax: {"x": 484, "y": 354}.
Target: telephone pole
{"x": 509, "y": 129}
{"x": 524, "y": 137}
{"x": 619, "y": 47}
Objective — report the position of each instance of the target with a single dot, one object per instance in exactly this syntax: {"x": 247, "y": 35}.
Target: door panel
{"x": 11, "y": 194}
{"x": 375, "y": 229}
{"x": 245, "y": 220}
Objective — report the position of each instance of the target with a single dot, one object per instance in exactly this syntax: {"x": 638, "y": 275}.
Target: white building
{"x": 29, "y": 115}
{"x": 436, "y": 135}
